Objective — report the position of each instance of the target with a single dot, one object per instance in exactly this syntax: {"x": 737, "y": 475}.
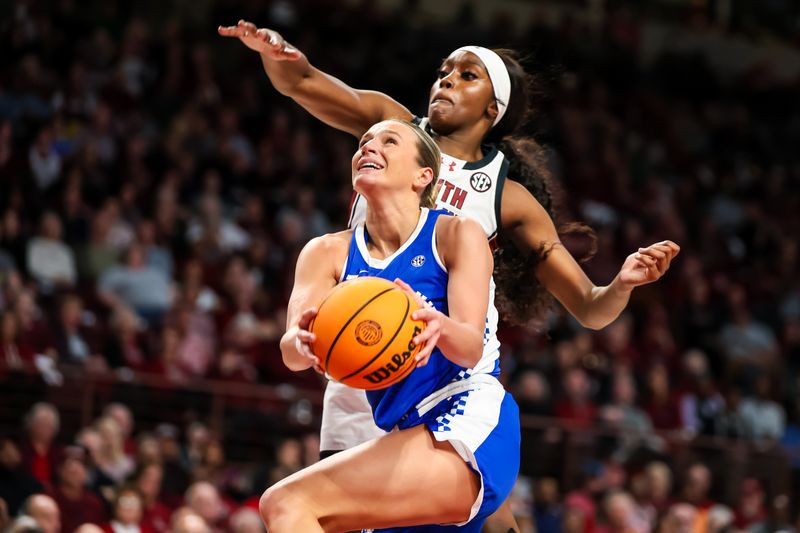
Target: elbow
{"x": 472, "y": 356}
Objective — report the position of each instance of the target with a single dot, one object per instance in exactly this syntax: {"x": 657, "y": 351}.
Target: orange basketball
{"x": 364, "y": 332}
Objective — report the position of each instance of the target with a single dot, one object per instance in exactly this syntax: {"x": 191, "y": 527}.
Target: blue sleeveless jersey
{"x": 417, "y": 263}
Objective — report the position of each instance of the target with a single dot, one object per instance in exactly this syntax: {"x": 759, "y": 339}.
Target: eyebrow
{"x": 369, "y": 135}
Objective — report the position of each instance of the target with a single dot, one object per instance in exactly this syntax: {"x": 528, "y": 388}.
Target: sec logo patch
{"x": 480, "y": 182}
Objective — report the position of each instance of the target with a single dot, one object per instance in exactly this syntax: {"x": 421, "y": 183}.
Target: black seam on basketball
{"x": 336, "y": 338}
{"x": 397, "y": 332}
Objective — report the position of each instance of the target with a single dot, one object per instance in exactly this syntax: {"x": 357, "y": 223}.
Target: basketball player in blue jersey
{"x": 451, "y": 452}
{"x": 480, "y": 98}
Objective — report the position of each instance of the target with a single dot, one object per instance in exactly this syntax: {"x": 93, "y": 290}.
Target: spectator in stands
{"x": 659, "y": 481}
{"x": 147, "y": 480}
{"x": 576, "y": 407}
{"x": 532, "y": 393}
{"x": 45, "y": 511}
{"x": 696, "y": 486}
{"x": 247, "y": 520}
{"x": 40, "y": 453}
{"x": 12, "y": 239}
{"x": 137, "y": 286}
{"x": 115, "y": 464}
{"x": 763, "y": 416}
{"x": 730, "y": 423}
{"x": 701, "y": 406}
{"x": 746, "y": 343}
{"x": 175, "y": 479}
{"x": 204, "y": 499}
{"x": 185, "y": 520}
{"x": 194, "y": 289}
{"x": 98, "y": 256}
{"x": 213, "y": 234}
{"x": 619, "y": 510}
{"x": 662, "y": 405}
{"x": 156, "y": 256}
{"x": 547, "y": 510}
{"x": 127, "y": 346}
{"x": 15, "y": 483}
{"x": 12, "y": 353}
{"x": 751, "y": 511}
{"x": 71, "y": 339}
{"x": 124, "y": 419}
{"x": 50, "y": 261}
{"x": 78, "y": 505}
{"x": 127, "y": 513}
{"x": 34, "y": 331}
{"x": 631, "y": 422}
{"x": 45, "y": 161}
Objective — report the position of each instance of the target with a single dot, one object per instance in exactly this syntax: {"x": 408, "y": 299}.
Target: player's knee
{"x": 278, "y": 502}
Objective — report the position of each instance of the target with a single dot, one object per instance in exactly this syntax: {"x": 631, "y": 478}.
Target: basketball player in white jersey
{"x": 480, "y": 96}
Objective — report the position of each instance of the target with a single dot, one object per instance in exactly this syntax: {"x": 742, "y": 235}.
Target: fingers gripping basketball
{"x": 364, "y": 333}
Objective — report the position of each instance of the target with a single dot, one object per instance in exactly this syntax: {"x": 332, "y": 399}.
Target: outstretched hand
{"x": 262, "y": 40}
{"x": 304, "y": 338}
{"x": 433, "y": 324}
{"x": 648, "y": 264}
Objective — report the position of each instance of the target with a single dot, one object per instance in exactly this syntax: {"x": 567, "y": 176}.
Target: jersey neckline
{"x": 361, "y": 241}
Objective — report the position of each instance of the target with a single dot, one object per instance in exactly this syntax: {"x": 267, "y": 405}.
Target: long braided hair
{"x": 520, "y": 297}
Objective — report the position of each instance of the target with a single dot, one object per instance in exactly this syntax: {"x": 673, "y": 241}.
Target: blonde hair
{"x": 428, "y": 156}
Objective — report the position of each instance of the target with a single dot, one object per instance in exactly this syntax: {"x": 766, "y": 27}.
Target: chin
{"x": 440, "y": 122}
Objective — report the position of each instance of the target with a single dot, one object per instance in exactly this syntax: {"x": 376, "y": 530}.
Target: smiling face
{"x": 388, "y": 160}
{"x": 462, "y": 94}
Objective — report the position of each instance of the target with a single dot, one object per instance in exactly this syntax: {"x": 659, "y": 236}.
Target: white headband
{"x": 498, "y": 75}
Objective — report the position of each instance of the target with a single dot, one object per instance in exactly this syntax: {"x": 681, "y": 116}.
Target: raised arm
{"x": 327, "y": 98}
{"x": 594, "y": 307}
{"x": 315, "y": 275}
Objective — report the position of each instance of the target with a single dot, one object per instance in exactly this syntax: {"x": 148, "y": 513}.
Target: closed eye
{"x": 441, "y": 73}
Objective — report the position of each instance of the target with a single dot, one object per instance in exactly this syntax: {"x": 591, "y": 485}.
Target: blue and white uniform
{"x": 467, "y": 407}
{"x": 466, "y": 188}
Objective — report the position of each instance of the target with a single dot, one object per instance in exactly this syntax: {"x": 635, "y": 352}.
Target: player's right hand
{"x": 262, "y": 40}
{"x": 304, "y": 338}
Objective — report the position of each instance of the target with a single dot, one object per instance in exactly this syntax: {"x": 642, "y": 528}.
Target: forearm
{"x": 286, "y": 76}
{"x": 292, "y": 358}
{"x": 460, "y": 343}
{"x": 604, "y": 304}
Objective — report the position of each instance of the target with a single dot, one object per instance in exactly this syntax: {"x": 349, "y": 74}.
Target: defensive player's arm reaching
{"x": 324, "y": 96}
{"x": 594, "y": 307}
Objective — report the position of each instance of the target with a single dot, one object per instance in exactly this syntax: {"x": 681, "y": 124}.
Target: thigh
{"x": 401, "y": 479}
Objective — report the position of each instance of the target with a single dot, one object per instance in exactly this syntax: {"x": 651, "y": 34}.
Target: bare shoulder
{"x": 457, "y": 228}
{"x": 329, "y": 249}
{"x": 456, "y": 236}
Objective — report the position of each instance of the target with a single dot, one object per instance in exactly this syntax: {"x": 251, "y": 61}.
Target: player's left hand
{"x": 433, "y": 324}
{"x": 647, "y": 264}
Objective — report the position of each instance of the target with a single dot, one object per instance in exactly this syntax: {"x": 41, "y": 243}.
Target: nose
{"x": 447, "y": 81}
{"x": 368, "y": 147}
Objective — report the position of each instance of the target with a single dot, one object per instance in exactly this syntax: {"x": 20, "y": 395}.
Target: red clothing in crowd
{"x": 86, "y": 508}
{"x": 41, "y": 466}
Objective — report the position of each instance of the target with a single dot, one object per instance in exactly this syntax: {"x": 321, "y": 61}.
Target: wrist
{"x": 619, "y": 286}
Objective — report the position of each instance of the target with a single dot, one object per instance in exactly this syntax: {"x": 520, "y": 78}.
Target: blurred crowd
{"x": 115, "y": 479}
{"x": 155, "y": 191}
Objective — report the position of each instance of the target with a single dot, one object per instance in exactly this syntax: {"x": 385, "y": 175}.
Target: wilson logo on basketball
{"x": 480, "y": 181}
{"x": 396, "y": 363}
{"x": 368, "y": 333}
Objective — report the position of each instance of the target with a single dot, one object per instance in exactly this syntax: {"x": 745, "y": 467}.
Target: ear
{"x": 423, "y": 178}
{"x": 492, "y": 111}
